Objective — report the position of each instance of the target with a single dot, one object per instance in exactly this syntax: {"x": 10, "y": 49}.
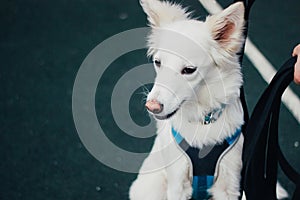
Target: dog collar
{"x": 213, "y": 115}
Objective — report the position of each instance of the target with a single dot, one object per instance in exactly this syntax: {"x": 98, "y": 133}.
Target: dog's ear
{"x": 227, "y": 27}
{"x": 163, "y": 12}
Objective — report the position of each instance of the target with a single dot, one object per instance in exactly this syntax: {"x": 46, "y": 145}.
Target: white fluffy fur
{"x": 178, "y": 41}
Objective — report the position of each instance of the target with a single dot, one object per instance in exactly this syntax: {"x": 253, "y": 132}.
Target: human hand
{"x": 296, "y": 52}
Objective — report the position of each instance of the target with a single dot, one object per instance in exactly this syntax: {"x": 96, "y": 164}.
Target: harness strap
{"x": 204, "y": 162}
{"x": 200, "y": 186}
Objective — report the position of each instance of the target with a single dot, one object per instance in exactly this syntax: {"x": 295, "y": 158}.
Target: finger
{"x": 296, "y": 50}
{"x": 297, "y": 72}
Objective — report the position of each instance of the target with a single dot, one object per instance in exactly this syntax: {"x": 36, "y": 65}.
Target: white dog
{"x": 195, "y": 99}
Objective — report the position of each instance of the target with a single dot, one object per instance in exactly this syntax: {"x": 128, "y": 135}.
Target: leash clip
{"x": 213, "y": 116}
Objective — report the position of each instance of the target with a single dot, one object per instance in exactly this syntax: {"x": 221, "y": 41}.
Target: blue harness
{"x": 204, "y": 162}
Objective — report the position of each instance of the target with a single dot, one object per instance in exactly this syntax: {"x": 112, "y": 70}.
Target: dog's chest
{"x": 204, "y": 161}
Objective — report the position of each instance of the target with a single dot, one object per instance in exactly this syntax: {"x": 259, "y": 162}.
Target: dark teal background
{"x": 42, "y": 45}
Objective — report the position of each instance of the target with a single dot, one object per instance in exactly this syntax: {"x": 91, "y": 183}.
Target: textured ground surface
{"x": 43, "y": 44}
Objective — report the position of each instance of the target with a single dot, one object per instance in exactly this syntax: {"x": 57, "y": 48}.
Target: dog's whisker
{"x": 144, "y": 93}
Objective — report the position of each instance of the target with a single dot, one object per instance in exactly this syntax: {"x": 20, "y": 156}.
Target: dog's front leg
{"x": 179, "y": 185}
{"x": 151, "y": 183}
{"x": 227, "y": 185}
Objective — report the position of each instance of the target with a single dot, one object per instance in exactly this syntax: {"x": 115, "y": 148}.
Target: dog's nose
{"x": 154, "y": 106}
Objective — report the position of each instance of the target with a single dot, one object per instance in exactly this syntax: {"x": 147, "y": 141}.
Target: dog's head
{"x": 195, "y": 61}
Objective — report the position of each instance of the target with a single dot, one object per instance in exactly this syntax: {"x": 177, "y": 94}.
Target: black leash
{"x": 261, "y": 151}
{"x": 248, "y": 4}
{"x": 291, "y": 173}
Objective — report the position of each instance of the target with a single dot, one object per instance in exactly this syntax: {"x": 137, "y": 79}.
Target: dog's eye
{"x": 188, "y": 70}
{"x": 157, "y": 63}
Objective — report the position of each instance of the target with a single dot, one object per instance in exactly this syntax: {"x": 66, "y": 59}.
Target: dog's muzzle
{"x": 154, "y": 107}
